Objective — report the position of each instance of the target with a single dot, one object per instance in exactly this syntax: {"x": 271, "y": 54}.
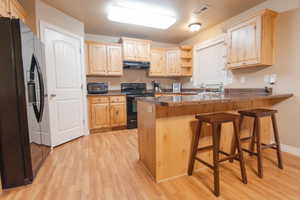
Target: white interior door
{"x": 65, "y": 91}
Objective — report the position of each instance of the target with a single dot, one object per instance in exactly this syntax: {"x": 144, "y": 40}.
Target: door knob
{"x": 53, "y": 95}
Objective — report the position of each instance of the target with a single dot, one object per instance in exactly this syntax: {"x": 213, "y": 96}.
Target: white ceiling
{"x": 93, "y": 14}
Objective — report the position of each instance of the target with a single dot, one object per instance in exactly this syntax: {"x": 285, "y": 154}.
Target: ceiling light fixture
{"x": 195, "y": 27}
{"x": 140, "y": 14}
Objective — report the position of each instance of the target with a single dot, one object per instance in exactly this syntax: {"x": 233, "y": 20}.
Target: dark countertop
{"x": 204, "y": 98}
{"x": 110, "y": 93}
{"x": 118, "y": 93}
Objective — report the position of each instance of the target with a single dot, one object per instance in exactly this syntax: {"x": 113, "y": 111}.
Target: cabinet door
{"x": 143, "y": 51}
{"x": 118, "y": 114}
{"x": 4, "y": 8}
{"x": 173, "y": 63}
{"x": 129, "y": 50}
{"x": 244, "y": 43}
{"x": 99, "y": 115}
{"x": 97, "y": 59}
{"x": 158, "y": 62}
{"x": 115, "y": 61}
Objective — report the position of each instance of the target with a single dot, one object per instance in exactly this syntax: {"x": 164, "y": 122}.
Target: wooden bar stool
{"x": 216, "y": 120}
{"x": 257, "y": 114}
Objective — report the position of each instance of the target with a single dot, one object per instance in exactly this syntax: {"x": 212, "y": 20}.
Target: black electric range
{"x": 132, "y": 91}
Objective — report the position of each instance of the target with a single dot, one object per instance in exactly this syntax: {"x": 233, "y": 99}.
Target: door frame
{"x": 45, "y": 25}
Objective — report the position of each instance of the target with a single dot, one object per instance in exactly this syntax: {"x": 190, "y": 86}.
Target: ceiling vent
{"x": 200, "y": 10}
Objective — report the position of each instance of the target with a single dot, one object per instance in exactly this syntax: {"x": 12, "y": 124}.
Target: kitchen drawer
{"x": 99, "y": 99}
{"x": 117, "y": 99}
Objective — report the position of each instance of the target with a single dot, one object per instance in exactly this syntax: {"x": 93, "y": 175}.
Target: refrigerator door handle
{"x": 32, "y": 87}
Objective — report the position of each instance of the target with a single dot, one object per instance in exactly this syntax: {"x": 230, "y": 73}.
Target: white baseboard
{"x": 290, "y": 149}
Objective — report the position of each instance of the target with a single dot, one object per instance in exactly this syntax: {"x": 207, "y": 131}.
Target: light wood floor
{"x": 106, "y": 166}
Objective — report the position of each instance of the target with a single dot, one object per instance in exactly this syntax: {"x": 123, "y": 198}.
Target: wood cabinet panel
{"x": 118, "y": 114}
{"x": 129, "y": 50}
{"x": 143, "y": 51}
{"x": 117, "y": 99}
{"x": 136, "y": 49}
{"x": 115, "y": 62}
{"x": 16, "y": 10}
{"x": 173, "y": 62}
{"x": 104, "y": 59}
{"x": 251, "y": 43}
{"x": 4, "y": 8}
{"x": 158, "y": 62}
{"x": 106, "y": 112}
{"x": 245, "y": 43}
{"x": 97, "y": 59}
{"x": 99, "y": 115}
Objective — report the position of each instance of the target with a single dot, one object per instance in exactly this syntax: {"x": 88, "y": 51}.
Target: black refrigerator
{"x": 24, "y": 116}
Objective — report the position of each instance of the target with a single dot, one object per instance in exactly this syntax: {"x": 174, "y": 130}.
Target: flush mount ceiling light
{"x": 195, "y": 27}
{"x": 140, "y": 14}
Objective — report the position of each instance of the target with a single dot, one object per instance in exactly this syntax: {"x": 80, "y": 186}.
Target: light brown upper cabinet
{"x": 16, "y": 10}
{"x": 186, "y": 57}
{"x": 251, "y": 43}
{"x": 103, "y": 59}
{"x": 173, "y": 62}
{"x": 158, "y": 62}
{"x": 136, "y": 49}
{"x": 4, "y": 8}
{"x": 13, "y": 9}
{"x": 114, "y": 60}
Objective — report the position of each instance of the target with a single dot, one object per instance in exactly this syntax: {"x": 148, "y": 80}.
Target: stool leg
{"x": 194, "y": 149}
{"x": 253, "y": 138}
{"x": 216, "y": 149}
{"x": 240, "y": 152}
{"x": 233, "y": 146}
{"x": 258, "y": 146}
{"x": 276, "y": 137}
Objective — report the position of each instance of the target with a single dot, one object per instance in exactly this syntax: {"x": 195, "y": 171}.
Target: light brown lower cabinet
{"x": 106, "y": 112}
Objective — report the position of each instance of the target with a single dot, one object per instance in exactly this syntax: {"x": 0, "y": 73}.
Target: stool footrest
{"x": 249, "y": 151}
{"x": 269, "y": 146}
{"x": 245, "y": 139}
{"x": 205, "y": 148}
{"x": 228, "y": 158}
{"x": 205, "y": 163}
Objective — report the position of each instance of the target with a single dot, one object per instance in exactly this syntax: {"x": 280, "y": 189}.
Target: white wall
{"x": 129, "y": 75}
{"x": 55, "y": 17}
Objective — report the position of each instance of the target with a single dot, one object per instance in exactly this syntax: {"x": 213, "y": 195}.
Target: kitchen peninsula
{"x": 166, "y": 126}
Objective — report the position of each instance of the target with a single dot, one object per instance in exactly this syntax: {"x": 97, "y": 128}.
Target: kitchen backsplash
{"x": 133, "y": 76}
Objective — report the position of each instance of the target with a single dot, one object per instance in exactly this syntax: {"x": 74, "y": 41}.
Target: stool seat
{"x": 259, "y": 112}
{"x": 218, "y": 117}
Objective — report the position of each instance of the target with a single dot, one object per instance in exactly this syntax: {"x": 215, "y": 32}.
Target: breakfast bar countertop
{"x": 210, "y": 97}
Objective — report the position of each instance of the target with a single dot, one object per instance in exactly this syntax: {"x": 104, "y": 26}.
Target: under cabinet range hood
{"x": 136, "y": 65}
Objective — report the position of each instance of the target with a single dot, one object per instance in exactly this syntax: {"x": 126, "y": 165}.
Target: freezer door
{"x": 34, "y": 92}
